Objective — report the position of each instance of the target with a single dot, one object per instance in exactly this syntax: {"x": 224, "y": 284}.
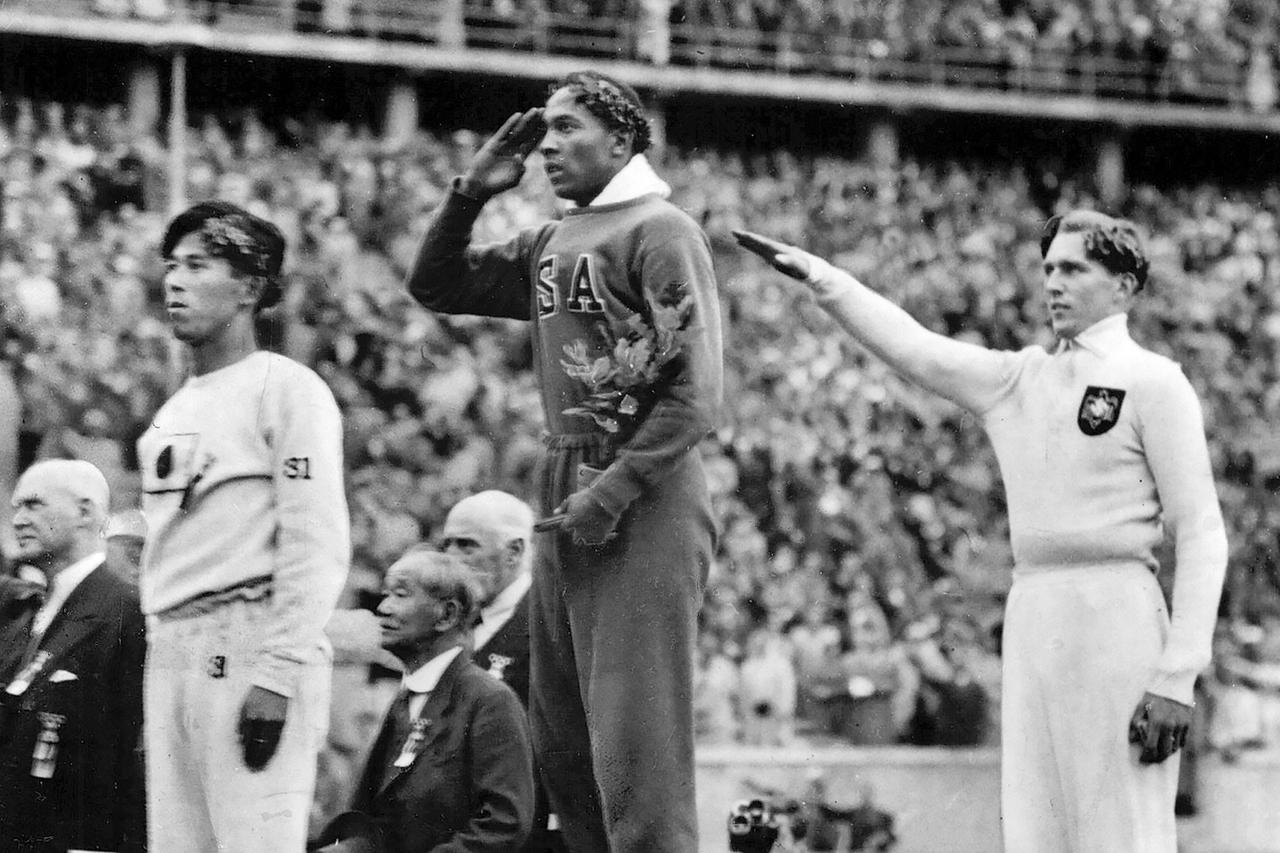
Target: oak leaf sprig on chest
{"x": 639, "y": 360}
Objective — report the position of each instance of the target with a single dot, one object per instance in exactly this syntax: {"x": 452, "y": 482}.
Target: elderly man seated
{"x": 451, "y": 765}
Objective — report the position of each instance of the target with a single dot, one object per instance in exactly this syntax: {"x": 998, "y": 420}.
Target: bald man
{"x": 492, "y": 532}
{"x": 71, "y": 656}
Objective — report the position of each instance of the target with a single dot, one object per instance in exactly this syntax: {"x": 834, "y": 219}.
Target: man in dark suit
{"x": 492, "y": 532}
{"x": 71, "y": 656}
{"x": 452, "y": 767}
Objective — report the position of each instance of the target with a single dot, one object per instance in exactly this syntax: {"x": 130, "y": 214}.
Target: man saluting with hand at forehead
{"x": 615, "y": 593}
{"x": 1101, "y": 445}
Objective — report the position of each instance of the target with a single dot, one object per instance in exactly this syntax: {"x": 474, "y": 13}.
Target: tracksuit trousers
{"x": 201, "y": 798}
{"x": 1080, "y": 648}
{"x": 612, "y": 632}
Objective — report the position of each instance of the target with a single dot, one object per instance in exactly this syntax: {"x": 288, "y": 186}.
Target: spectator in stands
{"x": 92, "y": 440}
{"x": 126, "y": 535}
{"x": 767, "y": 691}
{"x": 716, "y": 701}
{"x": 816, "y": 643}
{"x": 1212, "y": 255}
{"x": 878, "y": 676}
{"x": 952, "y": 705}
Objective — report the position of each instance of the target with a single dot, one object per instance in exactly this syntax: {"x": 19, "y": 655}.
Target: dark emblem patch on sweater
{"x": 1099, "y": 410}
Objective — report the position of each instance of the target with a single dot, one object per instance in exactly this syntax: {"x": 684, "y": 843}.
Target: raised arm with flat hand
{"x": 964, "y": 373}
{"x": 452, "y": 276}
{"x": 499, "y": 164}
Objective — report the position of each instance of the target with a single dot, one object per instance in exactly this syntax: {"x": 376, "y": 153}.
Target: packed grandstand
{"x": 863, "y": 534}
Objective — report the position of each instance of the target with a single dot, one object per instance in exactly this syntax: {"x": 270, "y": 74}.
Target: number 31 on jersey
{"x": 297, "y": 468}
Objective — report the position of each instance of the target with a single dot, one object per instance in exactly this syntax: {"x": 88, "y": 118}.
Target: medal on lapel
{"x": 413, "y": 742}
{"x": 498, "y": 665}
{"x": 23, "y": 679}
{"x": 45, "y": 755}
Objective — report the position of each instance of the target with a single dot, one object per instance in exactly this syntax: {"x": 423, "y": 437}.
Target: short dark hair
{"x": 613, "y": 102}
{"x": 1114, "y": 243}
{"x": 250, "y": 244}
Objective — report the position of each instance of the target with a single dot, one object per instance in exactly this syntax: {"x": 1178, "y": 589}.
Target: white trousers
{"x": 201, "y": 798}
{"x": 1080, "y": 646}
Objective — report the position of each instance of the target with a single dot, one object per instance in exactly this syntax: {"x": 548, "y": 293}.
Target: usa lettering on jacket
{"x": 579, "y": 294}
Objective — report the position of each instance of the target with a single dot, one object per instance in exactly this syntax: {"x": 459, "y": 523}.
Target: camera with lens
{"x": 753, "y": 827}
{"x": 758, "y": 825}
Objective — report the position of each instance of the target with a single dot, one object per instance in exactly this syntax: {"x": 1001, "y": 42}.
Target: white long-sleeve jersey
{"x": 1101, "y": 446}
{"x": 242, "y": 478}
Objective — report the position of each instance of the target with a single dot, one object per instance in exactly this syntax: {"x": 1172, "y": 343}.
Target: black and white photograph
{"x": 639, "y": 426}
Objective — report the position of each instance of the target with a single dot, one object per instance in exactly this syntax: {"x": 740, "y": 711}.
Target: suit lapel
{"x": 15, "y": 622}
{"x": 375, "y": 765}
{"x": 514, "y": 631}
{"x": 79, "y": 616}
{"x": 433, "y": 714}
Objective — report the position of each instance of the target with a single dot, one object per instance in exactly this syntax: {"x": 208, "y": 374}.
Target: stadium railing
{"x": 1043, "y": 72}
{"x": 544, "y": 27}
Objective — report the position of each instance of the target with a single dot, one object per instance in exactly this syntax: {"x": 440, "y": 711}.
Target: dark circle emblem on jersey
{"x": 164, "y": 462}
{"x": 1099, "y": 410}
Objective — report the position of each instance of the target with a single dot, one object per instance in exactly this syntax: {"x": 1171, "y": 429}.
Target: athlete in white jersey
{"x": 246, "y": 556}
{"x": 1101, "y": 445}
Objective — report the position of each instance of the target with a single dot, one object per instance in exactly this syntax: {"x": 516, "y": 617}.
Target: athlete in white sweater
{"x": 1101, "y": 445}
{"x": 247, "y": 554}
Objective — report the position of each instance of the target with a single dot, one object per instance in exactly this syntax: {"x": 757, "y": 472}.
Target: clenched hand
{"x": 1159, "y": 725}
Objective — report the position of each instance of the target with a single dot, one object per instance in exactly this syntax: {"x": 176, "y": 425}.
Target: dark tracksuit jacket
{"x": 612, "y": 627}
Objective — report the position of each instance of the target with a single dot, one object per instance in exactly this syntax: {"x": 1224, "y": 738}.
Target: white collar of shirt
{"x": 500, "y": 610}
{"x": 424, "y": 679}
{"x": 1101, "y": 337}
{"x": 60, "y": 588}
{"x": 635, "y": 179}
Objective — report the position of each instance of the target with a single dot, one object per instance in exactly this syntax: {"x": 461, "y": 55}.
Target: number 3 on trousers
{"x": 297, "y": 468}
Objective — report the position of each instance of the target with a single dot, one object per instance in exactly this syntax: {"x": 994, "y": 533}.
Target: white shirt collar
{"x": 1101, "y": 336}
{"x": 425, "y": 678}
{"x": 60, "y": 588}
{"x": 635, "y": 179}
{"x": 499, "y": 611}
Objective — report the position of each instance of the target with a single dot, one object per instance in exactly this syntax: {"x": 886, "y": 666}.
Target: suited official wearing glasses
{"x": 71, "y": 655}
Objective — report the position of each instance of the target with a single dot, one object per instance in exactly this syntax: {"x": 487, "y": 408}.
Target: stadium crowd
{"x": 1190, "y": 49}
{"x": 864, "y": 550}
{"x": 1181, "y": 35}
